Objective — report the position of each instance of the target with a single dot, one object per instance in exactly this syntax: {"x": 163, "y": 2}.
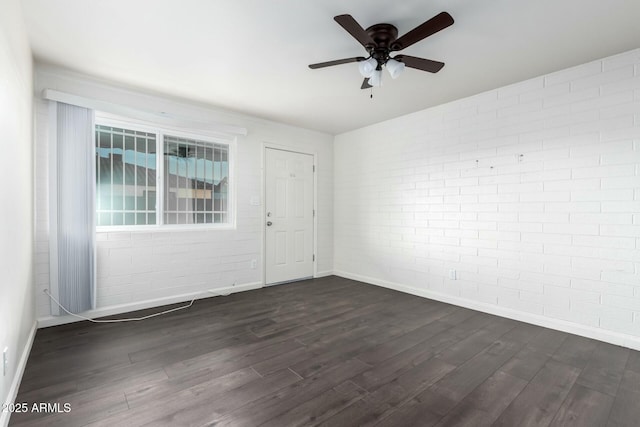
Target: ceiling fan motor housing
{"x": 383, "y": 35}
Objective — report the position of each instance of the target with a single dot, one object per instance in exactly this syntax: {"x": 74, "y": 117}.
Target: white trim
{"x": 94, "y": 284}
{"x": 611, "y": 337}
{"x": 232, "y": 195}
{"x": 315, "y": 215}
{"x": 160, "y": 179}
{"x": 157, "y": 127}
{"x": 44, "y": 322}
{"x": 109, "y": 107}
{"x": 314, "y": 155}
{"x": 17, "y": 379}
{"x": 320, "y": 274}
{"x": 155, "y": 228}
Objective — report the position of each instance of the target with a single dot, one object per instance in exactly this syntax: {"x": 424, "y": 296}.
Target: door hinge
{"x": 314, "y": 212}
{"x": 314, "y": 257}
{"x": 314, "y": 168}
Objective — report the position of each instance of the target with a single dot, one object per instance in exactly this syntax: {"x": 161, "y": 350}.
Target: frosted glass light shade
{"x": 395, "y": 68}
{"x": 376, "y": 78}
{"x": 368, "y": 67}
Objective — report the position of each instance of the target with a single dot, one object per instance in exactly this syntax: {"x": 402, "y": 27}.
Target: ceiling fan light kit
{"x": 380, "y": 40}
{"x": 375, "y": 80}
{"x": 368, "y": 67}
{"x": 395, "y": 68}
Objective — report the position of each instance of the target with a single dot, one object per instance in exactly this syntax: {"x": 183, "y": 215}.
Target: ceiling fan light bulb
{"x": 376, "y": 78}
{"x": 395, "y": 68}
{"x": 368, "y": 67}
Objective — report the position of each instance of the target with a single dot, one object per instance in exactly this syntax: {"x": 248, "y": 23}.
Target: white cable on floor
{"x": 134, "y": 319}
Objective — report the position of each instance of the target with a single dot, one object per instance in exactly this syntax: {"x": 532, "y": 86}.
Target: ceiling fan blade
{"x": 432, "y": 26}
{"x": 336, "y": 62}
{"x": 351, "y": 25}
{"x": 420, "y": 63}
{"x": 365, "y": 84}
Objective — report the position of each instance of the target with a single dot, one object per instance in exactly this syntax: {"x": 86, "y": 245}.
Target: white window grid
{"x": 179, "y": 154}
{"x": 160, "y": 132}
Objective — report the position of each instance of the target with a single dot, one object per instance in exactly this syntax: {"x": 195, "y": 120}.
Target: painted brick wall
{"x": 134, "y": 267}
{"x": 531, "y": 192}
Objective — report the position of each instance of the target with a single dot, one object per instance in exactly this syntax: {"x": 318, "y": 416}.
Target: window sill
{"x": 164, "y": 228}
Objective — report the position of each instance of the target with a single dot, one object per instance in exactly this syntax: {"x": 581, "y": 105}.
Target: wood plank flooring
{"x": 327, "y": 352}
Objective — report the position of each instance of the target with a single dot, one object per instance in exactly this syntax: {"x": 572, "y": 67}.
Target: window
{"x": 125, "y": 176}
{"x": 185, "y": 182}
{"x": 196, "y": 181}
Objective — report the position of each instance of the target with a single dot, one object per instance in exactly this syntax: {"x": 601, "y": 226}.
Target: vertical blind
{"x": 75, "y": 164}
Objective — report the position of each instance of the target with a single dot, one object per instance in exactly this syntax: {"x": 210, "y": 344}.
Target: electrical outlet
{"x": 5, "y": 361}
{"x": 452, "y": 274}
{"x": 254, "y": 263}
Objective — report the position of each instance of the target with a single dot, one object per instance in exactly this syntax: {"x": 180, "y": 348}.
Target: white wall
{"x": 16, "y": 196}
{"x": 138, "y": 269}
{"x": 531, "y": 192}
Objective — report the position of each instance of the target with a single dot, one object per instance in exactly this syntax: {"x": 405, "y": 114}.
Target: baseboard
{"x": 44, "y": 322}
{"x": 17, "y": 379}
{"x": 611, "y": 337}
{"x": 320, "y": 274}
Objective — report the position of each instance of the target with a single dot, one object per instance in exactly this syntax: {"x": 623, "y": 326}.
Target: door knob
{"x": 269, "y": 223}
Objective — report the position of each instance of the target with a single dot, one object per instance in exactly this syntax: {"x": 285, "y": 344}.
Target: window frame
{"x": 105, "y": 119}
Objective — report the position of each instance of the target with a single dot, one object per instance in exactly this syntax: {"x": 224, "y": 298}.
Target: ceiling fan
{"x": 380, "y": 40}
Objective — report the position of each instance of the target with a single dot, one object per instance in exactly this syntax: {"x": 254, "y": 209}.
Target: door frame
{"x": 271, "y": 146}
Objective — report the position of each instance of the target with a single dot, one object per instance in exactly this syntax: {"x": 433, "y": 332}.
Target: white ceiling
{"x": 252, "y": 55}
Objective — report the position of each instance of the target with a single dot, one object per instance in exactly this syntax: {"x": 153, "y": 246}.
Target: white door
{"x": 289, "y": 216}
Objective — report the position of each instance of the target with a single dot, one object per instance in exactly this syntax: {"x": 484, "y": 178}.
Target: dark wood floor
{"x": 329, "y": 352}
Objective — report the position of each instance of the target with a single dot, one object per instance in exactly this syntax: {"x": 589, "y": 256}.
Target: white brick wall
{"x": 531, "y": 192}
{"x": 135, "y": 267}
{"x": 41, "y": 165}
